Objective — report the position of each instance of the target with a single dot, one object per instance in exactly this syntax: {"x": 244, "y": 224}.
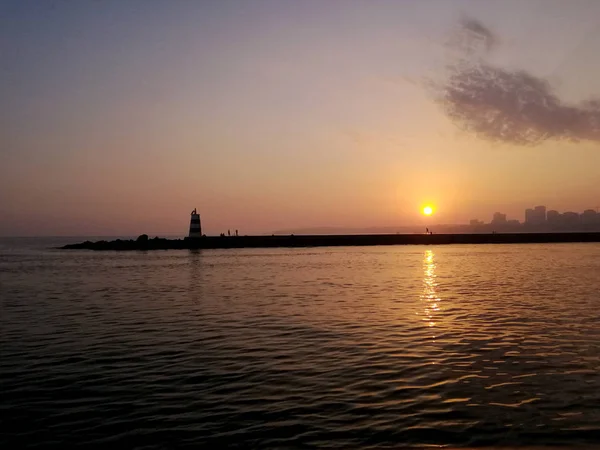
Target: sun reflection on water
{"x": 429, "y": 295}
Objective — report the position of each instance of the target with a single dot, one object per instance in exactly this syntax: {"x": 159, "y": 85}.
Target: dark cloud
{"x": 509, "y": 106}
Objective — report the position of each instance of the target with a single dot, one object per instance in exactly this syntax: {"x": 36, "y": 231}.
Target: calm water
{"x": 358, "y": 347}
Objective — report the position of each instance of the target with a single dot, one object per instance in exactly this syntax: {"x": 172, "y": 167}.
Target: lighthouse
{"x": 195, "y": 227}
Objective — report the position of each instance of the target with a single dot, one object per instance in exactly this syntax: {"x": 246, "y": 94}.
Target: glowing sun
{"x": 428, "y": 210}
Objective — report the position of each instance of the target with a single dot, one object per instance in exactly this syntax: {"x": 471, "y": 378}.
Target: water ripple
{"x": 362, "y": 347}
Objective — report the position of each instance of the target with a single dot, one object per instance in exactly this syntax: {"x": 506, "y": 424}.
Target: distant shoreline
{"x": 294, "y": 241}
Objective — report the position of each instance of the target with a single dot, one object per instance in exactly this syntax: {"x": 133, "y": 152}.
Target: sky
{"x": 119, "y": 118}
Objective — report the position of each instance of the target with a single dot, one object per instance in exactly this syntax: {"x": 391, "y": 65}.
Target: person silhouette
{"x": 228, "y": 232}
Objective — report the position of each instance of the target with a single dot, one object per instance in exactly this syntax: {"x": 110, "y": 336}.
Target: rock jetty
{"x": 143, "y": 242}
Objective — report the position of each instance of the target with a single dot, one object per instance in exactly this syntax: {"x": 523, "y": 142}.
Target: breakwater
{"x": 220, "y": 242}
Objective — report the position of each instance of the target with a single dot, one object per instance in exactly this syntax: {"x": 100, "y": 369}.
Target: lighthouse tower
{"x": 195, "y": 227}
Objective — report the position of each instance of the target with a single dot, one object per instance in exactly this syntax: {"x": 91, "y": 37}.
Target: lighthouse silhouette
{"x": 195, "y": 227}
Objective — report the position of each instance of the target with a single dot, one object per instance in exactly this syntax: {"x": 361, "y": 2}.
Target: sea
{"x": 362, "y": 347}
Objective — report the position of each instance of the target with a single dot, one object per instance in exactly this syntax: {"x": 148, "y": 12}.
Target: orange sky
{"x": 121, "y": 118}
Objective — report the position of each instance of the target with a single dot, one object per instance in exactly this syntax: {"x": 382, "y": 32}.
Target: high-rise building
{"x": 535, "y": 216}
{"x": 529, "y": 216}
{"x": 570, "y": 218}
{"x": 589, "y": 217}
{"x": 553, "y": 217}
{"x": 540, "y": 214}
{"x": 499, "y": 218}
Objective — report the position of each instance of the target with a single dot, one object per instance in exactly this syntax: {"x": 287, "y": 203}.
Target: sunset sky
{"x": 120, "y": 117}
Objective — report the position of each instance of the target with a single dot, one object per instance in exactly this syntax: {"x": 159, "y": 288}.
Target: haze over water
{"x": 345, "y": 347}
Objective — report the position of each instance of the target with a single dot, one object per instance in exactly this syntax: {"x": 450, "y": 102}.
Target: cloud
{"x": 510, "y": 106}
{"x": 472, "y": 37}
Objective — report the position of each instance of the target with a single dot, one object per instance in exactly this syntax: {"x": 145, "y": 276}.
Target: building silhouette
{"x": 499, "y": 219}
{"x": 535, "y": 216}
{"x": 570, "y": 218}
{"x": 529, "y": 215}
{"x": 553, "y": 217}
{"x": 590, "y": 217}
{"x": 539, "y": 219}
{"x": 540, "y": 214}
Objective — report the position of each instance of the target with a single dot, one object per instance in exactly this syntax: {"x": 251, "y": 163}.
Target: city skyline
{"x": 539, "y": 215}
{"x": 119, "y": 117}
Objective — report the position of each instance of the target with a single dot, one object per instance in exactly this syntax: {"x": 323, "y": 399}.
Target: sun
{"x": 428, "y": 210}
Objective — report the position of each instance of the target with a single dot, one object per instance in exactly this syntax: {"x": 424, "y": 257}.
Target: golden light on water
{"x": 429, "y": 296}
{"x": 428, "y": 210}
